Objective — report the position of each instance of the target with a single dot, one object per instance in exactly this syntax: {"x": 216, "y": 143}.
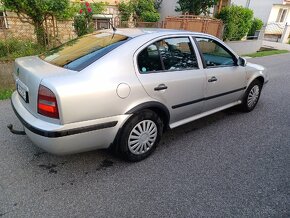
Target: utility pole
{"x": 248, "y": 3}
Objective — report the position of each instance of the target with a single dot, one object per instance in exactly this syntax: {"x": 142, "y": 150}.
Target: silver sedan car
{"x": 122, "y": 89}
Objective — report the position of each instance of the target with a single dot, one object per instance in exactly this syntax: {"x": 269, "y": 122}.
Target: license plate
{"x": 22, "y": 92}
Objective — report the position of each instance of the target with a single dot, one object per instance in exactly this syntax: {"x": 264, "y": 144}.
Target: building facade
{"x": 109, "y": 17}
{"x": 275, "y": 15}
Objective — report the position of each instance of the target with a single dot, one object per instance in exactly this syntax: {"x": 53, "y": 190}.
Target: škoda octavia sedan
{"x": 123, "y": 88}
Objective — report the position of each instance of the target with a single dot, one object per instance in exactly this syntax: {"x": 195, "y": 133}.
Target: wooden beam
{"x": 220, "y": 6}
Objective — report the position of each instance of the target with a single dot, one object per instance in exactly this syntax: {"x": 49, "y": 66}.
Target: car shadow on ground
{"x": 67, "y": 172}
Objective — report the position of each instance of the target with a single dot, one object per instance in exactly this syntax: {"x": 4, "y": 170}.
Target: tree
{"x": 157, "y": 4}
{"x": 126, "y": 10}
{"x": 195, "y": 7}
{"x": 35, "y": 12}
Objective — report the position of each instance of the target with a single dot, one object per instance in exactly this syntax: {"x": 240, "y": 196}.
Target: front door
{"x": 226, "y": 81}
{"x": 169, "y": 72}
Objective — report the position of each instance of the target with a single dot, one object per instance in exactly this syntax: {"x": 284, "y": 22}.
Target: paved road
{"x": 228, "y": 164}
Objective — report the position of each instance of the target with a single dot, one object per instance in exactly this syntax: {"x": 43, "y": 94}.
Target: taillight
{"x": 47, "y": 104}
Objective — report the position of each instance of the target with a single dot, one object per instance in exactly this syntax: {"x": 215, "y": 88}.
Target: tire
{"x": 251, "y": 96}
{"x": 140, "y": 135}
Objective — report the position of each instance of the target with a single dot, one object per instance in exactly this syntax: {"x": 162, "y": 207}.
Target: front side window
{"x": 172, "y": 54}
{"x": 214, "y": 54}
{"x": 83, "y": 51}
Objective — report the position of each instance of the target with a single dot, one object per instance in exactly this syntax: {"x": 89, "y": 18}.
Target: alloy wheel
{"x": 253, "y": 96}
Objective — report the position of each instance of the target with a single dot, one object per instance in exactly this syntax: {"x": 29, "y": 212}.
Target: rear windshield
{"x": 83, "y": 51}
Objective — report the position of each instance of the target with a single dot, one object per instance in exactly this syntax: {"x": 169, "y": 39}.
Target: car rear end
{"x": 46, "y": 91}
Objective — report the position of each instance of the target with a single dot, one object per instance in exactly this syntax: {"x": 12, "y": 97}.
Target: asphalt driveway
{"x": 228, "y": 164}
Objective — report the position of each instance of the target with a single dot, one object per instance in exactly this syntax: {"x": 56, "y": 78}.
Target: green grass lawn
{"x": 267, "y": 53}
{"x": 5, "y": 93}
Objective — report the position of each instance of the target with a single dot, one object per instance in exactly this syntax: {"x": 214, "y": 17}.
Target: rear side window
{"x": 172, "y": 54}
{"x": 149, "y": 59}
{"x": 214, "y": 54}
{"x": 83, "y": 51}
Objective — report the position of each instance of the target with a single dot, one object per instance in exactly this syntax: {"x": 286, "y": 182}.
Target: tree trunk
{"x": 40, "y": 33}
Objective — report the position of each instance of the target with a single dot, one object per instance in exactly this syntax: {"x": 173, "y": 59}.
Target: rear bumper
{"x": 69, "y": 138}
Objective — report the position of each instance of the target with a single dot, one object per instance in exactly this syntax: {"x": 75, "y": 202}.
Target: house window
{"x": 282, "y": 15}
{"x": 103, "y": 24}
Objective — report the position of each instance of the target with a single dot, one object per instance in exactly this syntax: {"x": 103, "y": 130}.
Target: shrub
{"x": 13, "y": 48}
{"x": 256, "y": 25}
{"x": 5, "y": 93}
{"x": 237, "y": 20}
{"x": 150, "y": 16}
{"x": 83, "y": 21}
{"x": 82, "y": 26}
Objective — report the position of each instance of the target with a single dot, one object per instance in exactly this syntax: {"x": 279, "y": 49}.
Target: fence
{"x": 185, "y": 22}
{"x": 195, "y": 23}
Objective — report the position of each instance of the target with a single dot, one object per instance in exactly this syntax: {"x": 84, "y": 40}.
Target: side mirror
{"x": 242, "y": 62}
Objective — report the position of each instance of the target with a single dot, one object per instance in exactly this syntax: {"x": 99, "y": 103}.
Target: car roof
{"x": 135, "y": 32}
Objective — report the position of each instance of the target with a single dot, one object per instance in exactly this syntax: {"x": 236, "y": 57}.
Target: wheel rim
{"x": 142, "y": 137}
{"x": 253, "y": 96}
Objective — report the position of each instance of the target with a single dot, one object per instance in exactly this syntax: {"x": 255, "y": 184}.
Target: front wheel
{"x": 252, "y": 96}
{"x": 140, "y": 135}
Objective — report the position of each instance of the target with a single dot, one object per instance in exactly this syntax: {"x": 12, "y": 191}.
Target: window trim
{"x": 221, "y": 45}
{"x": 282, "y": 12}
{"x": 153, "y": 41}
{"x": 89, "y": 61}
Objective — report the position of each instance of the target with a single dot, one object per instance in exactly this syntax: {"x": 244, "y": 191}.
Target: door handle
{"x": 213, "y": 79}
{"x": 160, "y": 87}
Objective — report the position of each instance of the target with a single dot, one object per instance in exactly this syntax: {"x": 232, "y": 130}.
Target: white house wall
{"x": 275, "y": 12}
{"x": 261, "y": 8}
{"x": 168, "y": 9}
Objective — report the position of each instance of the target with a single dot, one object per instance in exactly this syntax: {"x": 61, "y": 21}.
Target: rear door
{"x": 225, "y": 80}
{"x": 168, "y": 69}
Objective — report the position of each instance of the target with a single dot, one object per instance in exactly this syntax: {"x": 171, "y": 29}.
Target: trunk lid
{"x": 29, "y": 72}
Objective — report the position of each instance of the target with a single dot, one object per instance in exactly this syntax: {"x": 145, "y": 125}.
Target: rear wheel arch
{"x": 160, "y": 109}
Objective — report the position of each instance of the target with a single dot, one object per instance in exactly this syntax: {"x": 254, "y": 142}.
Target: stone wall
{"x": 65, "y": 31}
{"x": 61, "y": 31}
{"x": 17, "y": 29}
